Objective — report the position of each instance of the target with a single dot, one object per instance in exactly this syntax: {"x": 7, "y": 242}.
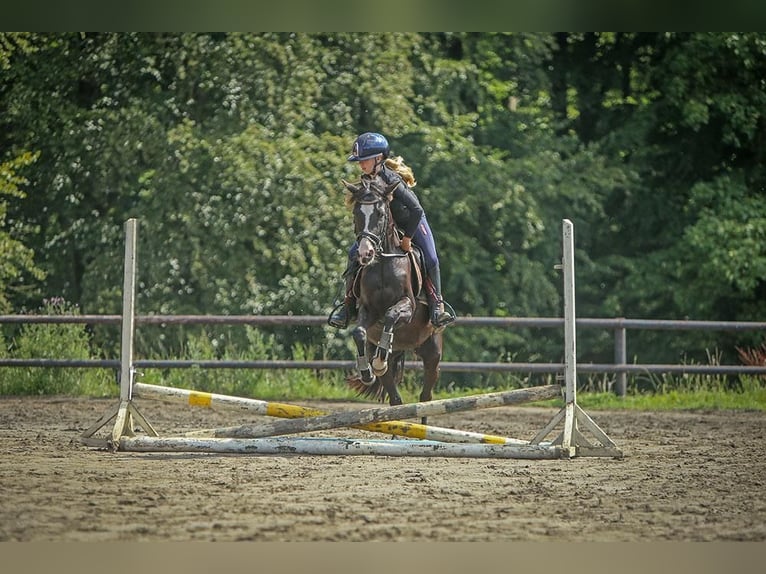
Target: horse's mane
{"x": 349, "y": 200}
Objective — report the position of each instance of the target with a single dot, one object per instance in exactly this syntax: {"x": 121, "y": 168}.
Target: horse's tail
{"x": 375, "y": 390}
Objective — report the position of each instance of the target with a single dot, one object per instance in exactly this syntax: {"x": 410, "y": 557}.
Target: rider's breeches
{"x": 424, "y": 239}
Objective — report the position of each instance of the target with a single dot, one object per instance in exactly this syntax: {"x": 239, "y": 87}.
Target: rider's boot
{"x": 342, "y": 313}
{"x": 439, "y": 317}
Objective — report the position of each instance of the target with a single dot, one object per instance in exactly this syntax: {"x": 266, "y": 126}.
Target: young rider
{"x": 371, "y": 151}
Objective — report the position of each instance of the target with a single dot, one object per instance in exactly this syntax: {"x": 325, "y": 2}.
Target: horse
{"x": 392, "y": 316}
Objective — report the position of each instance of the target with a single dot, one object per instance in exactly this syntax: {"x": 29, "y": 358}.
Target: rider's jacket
{"x": 405, "y": 205}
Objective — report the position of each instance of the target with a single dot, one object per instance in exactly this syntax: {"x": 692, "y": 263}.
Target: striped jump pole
{"x": 376, "y": 415}
{"x": 288, "y": 411}
{"x": 335, "y": 446}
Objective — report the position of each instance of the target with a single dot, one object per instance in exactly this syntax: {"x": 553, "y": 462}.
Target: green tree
{"x": 229, "y": 149}
{"x": 18, "y": 271}
{"x": 683, "y": 113}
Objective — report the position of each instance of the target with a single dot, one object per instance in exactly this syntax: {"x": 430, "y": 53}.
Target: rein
{"x": 380, "y": 242}
{"x": 376, "y": 241}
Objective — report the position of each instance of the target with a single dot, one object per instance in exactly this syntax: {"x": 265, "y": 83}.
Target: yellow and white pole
{"x": 288, "y": 411}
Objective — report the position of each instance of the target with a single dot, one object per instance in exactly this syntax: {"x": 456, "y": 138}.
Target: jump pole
{"x": 335, "y": 446}
{"x": 375, "y": 415}
{"x": 288, "y": 411}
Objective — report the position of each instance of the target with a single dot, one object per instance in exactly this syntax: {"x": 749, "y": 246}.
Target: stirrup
{"x": 339, "y": 317}
{"x": 445, "y": 317}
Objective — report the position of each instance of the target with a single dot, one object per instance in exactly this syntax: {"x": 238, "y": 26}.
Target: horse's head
{"x": 372, "y": 219}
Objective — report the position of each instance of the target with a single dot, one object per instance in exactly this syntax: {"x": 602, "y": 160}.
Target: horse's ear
{"x": 390, "y": 189}
{"x": 353, "y": 188}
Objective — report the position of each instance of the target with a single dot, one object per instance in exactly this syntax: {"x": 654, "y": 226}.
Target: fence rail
{"x": 619, "y": 326}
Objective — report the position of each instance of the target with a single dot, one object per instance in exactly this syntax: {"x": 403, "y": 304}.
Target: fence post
{"x": 620, "y": 358}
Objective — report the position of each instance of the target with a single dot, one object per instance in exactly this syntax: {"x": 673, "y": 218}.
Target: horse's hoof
{"x": 379, "y": 368}
{"x": 367, "y": 377}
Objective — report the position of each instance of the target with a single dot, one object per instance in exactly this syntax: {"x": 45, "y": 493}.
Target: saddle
{"x": 418, "y": 271}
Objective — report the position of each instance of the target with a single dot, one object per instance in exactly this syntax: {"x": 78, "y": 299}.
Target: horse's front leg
{"x": 362, "y": 364}
{"x": 396, "y": 315}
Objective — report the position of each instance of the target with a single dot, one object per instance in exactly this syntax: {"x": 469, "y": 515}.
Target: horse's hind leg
{"x": 393, "y": 378}
{"x": 430, "y": 353}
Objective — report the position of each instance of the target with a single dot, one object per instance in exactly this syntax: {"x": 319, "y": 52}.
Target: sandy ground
{"x": 684, "y": 477}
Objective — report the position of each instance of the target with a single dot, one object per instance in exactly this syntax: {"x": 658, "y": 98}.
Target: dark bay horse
{"x": 392, "y": 317}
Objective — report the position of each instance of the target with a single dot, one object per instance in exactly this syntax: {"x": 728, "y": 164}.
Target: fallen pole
{"x": 288, "y": 411}
{"x": 335, "y": 446}
{"x": 376, "y": 415}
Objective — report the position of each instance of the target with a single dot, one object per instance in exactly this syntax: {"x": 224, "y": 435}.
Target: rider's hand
{"x": 406, "y": 244}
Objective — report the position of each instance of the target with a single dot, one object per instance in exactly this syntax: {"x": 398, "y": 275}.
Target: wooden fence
{"x": 619, "y": 326}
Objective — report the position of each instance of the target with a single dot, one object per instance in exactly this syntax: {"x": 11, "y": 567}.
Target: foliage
{"x": 259, "y": 383}
{"x": 17, "y": 265}
{"x": 754, "y": 357}
{"x": 683, "y": 114}
{"x": 229, "y": 149}
{"x": 54, "y": 341}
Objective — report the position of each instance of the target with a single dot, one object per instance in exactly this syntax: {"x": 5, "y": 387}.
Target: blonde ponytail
{"x": 397, "y": 164}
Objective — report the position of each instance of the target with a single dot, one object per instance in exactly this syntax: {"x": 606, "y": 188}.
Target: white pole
{"x": 128, "y": 312}
{"x": 334, "y": 446}
{"x": 570, "y": 351}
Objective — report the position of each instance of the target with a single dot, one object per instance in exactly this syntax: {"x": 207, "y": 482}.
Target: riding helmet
{"x": 368, "y": 145}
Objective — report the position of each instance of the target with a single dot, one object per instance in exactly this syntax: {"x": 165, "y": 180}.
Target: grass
{"x": 677, "y": 400}
{"x": 749, "y": 393}
{"x": 667, "y": 401}
{"x": 699, "y": 392}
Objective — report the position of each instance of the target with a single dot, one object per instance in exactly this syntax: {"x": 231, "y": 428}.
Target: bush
{"x": 54, "y": 341}
{"x": 262, "y": 384}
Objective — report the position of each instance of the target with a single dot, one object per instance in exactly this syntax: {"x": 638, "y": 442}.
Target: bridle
{"x": 389, "y": 232}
